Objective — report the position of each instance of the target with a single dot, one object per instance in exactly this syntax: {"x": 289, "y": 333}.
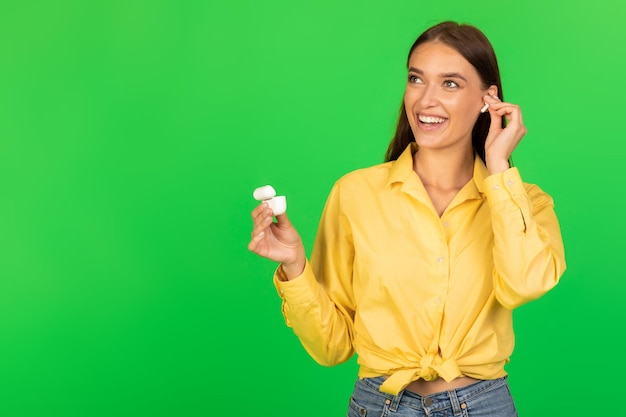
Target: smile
{"x": 431, "y": 119}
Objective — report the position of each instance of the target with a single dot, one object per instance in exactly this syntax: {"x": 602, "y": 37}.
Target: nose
{"x": 430, "y": 96}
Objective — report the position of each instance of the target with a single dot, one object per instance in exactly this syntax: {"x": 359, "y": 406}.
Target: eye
{"x": 450, "y": 84}
{"x": 414, "y": 79}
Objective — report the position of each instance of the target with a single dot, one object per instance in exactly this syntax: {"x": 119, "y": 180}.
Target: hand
{"x": 500, "y": 141}
{"x": 278, "y": 241}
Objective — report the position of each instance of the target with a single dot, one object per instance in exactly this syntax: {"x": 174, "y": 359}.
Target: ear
{"x": 493, "y": 91}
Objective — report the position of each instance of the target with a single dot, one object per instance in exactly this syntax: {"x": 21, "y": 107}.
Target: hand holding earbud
{"x": 501, "y": 141}
{"x": 278, "y": 241}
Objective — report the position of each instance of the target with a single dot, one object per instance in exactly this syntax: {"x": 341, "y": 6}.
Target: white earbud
{"x": 278, "y": 204}
{"x": 485, "y": 107}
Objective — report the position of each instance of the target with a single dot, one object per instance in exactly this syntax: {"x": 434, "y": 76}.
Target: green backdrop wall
{"x": 133, "y": 132}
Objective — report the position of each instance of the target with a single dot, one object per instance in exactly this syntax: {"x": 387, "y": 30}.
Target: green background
{"x": 132, "y": 134}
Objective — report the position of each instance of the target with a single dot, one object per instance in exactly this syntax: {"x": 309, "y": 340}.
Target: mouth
{"x": 430, "y": 122}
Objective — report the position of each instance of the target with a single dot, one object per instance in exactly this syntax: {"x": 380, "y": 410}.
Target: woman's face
{"x": 443, "y": 97}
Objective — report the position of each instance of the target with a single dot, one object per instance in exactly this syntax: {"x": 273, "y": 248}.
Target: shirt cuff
{"x": 504, "y": 186}
{"x": 299, "y": 290}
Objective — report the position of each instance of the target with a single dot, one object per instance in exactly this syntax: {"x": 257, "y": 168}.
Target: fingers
{"x": 261, "y": 220}
{"x": 283, "y": 221}
{"x": 255, "y": 241}
{"x": 260, "y": 225}
{"x": 258, "y": 210}
{"x": 511, "y": 112}
{"x": 496, "y": 120}
{"x": 260, "y": 214}
{"x": 502, "y": 140}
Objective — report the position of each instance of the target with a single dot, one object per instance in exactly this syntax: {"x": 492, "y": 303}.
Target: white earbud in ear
{"x": 278, "y": 204}
{"x": 484, "y": 108}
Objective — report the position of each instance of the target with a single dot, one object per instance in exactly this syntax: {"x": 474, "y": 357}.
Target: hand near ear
{"x": 500, "y": 141}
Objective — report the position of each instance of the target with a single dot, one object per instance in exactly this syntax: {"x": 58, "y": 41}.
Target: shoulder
{"x": 360, "y": 185}
{"x": 375, "y": 176}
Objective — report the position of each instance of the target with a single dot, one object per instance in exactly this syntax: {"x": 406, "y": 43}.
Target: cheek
{"x": 465, "y": 110}
{"x": 468, "y": 115}
{"x": 407, "y": 100}
{"x": 411, "y": 95}
{"x": 408, "y": 104}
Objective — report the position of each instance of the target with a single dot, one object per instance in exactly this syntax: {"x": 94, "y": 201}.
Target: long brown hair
{"x": 474, "y": 46}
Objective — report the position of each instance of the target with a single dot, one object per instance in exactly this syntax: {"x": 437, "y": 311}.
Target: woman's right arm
{"x": 318, "y": 305}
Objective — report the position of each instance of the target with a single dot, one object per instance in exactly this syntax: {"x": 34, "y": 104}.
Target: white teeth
{"x": 430, "y": 119}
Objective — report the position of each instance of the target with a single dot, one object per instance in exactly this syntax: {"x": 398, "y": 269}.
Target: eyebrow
{"x": 442, "y": 75}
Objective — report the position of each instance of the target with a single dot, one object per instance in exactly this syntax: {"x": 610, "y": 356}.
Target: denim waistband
{"x": 437, "y": 401}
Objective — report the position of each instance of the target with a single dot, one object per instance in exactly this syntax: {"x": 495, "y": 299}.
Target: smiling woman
{"x": 464, "y": 47}
{"x": 418, "y": 262}
{"x": 442, "y": 106}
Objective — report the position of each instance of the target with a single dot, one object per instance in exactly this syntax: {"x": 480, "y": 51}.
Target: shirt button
{"x": 282, "y": 292}
{"x": 437, "y": 300}
{"x": 496, "y": 187}
{"x": 446, "y": 224}
{"x": 509, "y": 182}
{"x": 440, "y": 259}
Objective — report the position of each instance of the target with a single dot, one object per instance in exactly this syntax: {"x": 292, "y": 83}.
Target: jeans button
{"x": 428, "y": 401}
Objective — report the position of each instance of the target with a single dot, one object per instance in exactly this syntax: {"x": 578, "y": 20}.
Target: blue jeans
{"x": 490, "y": 398}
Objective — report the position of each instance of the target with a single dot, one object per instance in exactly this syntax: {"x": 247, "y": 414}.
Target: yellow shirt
{"x": 416, "y": 295}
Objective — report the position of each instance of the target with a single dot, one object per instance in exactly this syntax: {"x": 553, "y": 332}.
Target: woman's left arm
{"x": 529, "y": 257}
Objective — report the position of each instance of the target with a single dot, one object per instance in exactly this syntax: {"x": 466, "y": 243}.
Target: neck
{"x": 444, "y": 170}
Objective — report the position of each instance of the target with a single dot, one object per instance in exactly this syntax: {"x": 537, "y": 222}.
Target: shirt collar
{"x": 402, "y": 170}
{"x": 480, "y": 173}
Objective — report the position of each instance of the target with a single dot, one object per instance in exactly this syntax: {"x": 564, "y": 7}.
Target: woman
{"x": 419, "y": 261}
